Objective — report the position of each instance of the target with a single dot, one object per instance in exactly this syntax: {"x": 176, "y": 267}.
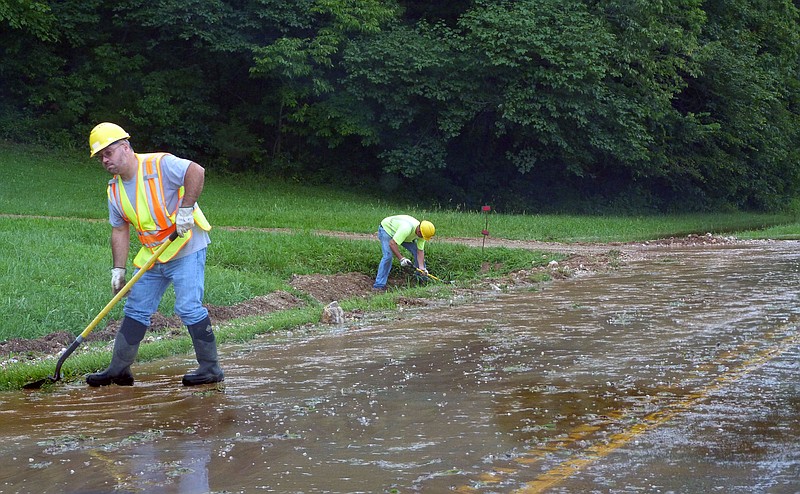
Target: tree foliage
{"x": 529, "y": 104}
{"x": 32, "y": 17}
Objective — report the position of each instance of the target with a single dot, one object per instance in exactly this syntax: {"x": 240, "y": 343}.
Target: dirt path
{"x": 581, "y": 259}
{"x": 628, "y": 249}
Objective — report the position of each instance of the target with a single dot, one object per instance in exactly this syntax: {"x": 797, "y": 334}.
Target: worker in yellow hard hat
{"x": 409, "y": 232}
{"x": 156, "y": 193}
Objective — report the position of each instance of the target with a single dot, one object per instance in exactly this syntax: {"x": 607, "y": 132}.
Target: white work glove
{"x": 424, "y": 270}
{"x": 117, "y": 280}
{"x": 405, "y": 262}
{"x": 184, "y": 221}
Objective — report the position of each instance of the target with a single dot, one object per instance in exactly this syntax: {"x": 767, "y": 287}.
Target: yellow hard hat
{"x": 103, "y": 135}
{"x": 426, "y": 229}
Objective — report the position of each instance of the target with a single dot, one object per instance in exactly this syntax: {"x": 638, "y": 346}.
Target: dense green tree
{"x": 530, "y": 104}
{"x": 419, "y": 85}
{"x": 748, "y": 89}
{"x": 305, "y": 65}
{"x": 551, "y": 89}
{"x": 32, "y": 17}
{"x": 447, "y": 12}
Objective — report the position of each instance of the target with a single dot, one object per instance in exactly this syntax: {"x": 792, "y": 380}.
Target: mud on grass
{"x": 322, "y": 288}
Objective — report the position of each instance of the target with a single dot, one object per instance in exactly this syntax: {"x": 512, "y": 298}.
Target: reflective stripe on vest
{"x": 153, "y": 222}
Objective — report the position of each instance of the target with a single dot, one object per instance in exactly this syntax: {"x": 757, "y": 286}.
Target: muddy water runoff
{"x": 675, "y": 375}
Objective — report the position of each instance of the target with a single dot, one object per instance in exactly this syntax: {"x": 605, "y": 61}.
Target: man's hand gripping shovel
{"x": 421, "y": 273}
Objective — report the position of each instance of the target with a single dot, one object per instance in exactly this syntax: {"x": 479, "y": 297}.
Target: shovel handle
{"x": 77, "y": 342}
{"x": 125, "y": 289}
{"x": 428, "y": 275}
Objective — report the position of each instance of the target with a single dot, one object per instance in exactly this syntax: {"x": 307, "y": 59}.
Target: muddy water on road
{"x": 675, "y": 375}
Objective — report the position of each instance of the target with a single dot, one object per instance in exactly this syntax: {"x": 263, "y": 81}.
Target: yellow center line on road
{"x": 596, "y": 452}
{"x": 591, "y": 454}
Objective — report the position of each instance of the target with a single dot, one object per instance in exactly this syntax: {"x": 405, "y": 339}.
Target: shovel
{"x": 110, "y": 305}
{"x": 428, "y": 275}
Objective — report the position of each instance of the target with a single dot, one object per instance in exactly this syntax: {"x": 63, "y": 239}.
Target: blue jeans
{"x": 386, "y": 260}
{"x": 187, "y": 275}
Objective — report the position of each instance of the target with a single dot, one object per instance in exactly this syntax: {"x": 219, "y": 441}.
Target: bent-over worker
{"x": 407, "y": 231}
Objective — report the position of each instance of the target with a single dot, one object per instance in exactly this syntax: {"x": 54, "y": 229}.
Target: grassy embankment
{"x": 55, "y": 259}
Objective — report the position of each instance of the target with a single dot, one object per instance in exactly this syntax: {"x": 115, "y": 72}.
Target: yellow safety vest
{"x": 153, "y": 222}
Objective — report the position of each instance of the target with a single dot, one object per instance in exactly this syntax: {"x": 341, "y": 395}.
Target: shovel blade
{"x": 41, "y": 382}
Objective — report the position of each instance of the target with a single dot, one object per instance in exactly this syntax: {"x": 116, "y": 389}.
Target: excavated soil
{"x": 581, "y": 259}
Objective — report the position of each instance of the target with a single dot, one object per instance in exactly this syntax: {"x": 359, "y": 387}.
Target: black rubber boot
{"x": 126, "y": 346}
{"x": 205, "y": 349}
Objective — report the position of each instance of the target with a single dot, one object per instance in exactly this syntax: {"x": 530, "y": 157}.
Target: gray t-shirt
{"x": 173, "y": 169}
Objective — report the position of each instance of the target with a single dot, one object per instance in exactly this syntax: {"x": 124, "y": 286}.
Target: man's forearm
{"x": 395, "y": 249}
{"x": 120, "y": 246}
{"x": 193, "y": 183}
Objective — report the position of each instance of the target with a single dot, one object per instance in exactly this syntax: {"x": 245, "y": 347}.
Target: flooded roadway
{"x": 674, "y": 375}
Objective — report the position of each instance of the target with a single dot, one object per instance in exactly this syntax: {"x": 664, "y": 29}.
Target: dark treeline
{"x": 530, "y": 105}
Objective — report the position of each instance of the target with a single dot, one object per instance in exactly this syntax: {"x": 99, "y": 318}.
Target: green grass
{"x": 59, "y": 280}
{"x": 38, "y": 181}
{"x": 604, "y": 229}
{"x": 789, "y": 231}
{"x": 55, "y": 255}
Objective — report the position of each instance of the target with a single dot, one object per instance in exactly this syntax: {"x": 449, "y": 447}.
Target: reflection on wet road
{"x": 680, "y": 374}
